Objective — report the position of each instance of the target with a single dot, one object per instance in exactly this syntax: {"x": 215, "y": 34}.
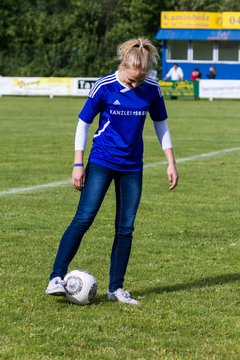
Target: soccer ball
{"x": 80, "y": 286}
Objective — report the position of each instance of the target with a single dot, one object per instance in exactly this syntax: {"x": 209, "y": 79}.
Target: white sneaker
{"x": 55, "y": 287}
{"x": 121, "y": 296}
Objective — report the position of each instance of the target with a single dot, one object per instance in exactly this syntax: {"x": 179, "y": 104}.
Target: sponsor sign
{"x": 52, "y": 86}
{"x": 225, "y": 89}
{"x": 41, "y": 86}
{"x": 231, "y": 20}
{"x": 219, "y": 89}
{"x": 190, "y": 20}
{"x": 175, "y": 89}
{"x": 5, "y": 85}
{"x": 82, "y": 86}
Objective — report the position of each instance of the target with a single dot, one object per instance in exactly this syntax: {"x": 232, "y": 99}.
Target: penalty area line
{"x": 14, "y": 191}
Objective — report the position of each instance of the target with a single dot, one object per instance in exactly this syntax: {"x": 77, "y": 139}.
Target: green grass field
{"x": 185, "y": 262}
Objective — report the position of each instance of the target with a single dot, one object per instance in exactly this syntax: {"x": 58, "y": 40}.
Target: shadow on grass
{"x": 99, "y": 299}
{"x": 200, "y": 283}
{"x": 196, "y": 284}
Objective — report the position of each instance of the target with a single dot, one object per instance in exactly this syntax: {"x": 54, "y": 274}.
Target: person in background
{"x": 212, "y": 73}
{"x": 196, "y": 74}
{"x": 122, "y": 99}
{"x": 175, "y": 73}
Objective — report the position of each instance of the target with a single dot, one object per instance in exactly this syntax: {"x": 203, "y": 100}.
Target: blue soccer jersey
{"x": 118, "y": 142}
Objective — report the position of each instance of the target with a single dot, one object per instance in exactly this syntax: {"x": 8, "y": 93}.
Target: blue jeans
{"x": 128, "y": 188}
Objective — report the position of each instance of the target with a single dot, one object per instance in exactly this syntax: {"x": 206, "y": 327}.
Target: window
{"x": 228, "y": 50}
{"x": 203, "y": 50}
{"x": 177, "y": 50}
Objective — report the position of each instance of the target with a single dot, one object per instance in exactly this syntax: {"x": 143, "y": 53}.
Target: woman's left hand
{"x": 172, "y": 176}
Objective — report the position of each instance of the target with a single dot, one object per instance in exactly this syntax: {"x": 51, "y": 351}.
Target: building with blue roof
{"x": 200, "y": 40}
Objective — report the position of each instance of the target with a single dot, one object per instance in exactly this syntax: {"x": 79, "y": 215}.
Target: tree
{"x": 79, "y": 38}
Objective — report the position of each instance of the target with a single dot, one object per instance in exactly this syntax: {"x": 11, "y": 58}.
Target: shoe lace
{"x": 125, "y": 293}
{"x": 61, "y": 282}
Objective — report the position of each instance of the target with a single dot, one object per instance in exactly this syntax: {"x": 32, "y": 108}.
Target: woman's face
{"x": 131, "y": 77}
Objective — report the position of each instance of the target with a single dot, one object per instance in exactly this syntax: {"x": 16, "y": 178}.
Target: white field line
{"x": 149, "y": 165}
{"x": 196, "y": 157}
{"x": 33, "y": 188}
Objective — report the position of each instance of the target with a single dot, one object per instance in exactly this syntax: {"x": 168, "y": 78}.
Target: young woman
{"x": 122, "y": 99}
{"x": 212, "y": 73}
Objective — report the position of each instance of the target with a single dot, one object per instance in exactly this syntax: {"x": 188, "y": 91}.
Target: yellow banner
{"x": 175, "y": 89}
{"x": 42, "y": 85}
{"x": 231, "y": 20}
{"x": 190, "y": 20}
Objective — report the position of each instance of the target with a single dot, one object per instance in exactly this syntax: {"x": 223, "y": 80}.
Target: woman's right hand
{"x": 78, "y": 177}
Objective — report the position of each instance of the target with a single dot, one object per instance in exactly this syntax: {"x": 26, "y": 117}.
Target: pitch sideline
{"x": 14, "y": 191}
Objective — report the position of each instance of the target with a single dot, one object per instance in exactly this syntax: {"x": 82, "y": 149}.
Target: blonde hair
{"x": 213, "y": 70}
{"x": 138, "y": 54}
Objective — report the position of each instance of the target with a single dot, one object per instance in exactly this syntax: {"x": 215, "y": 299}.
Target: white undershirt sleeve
{"x": 163, "y": 134}
{"x": 81, "y": 135}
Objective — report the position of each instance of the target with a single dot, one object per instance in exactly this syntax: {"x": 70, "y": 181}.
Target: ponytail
{"x": 138, "y": 54}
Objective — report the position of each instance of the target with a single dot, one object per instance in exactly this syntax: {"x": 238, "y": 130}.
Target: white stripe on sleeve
{"x": 163, "y": 134}
{"x": 81, "y": 135}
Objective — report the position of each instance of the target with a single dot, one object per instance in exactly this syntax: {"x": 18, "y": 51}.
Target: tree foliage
{"x": 79, "y": 38}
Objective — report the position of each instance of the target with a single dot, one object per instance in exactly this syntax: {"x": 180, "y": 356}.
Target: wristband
{"x": 78, "y": 164}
